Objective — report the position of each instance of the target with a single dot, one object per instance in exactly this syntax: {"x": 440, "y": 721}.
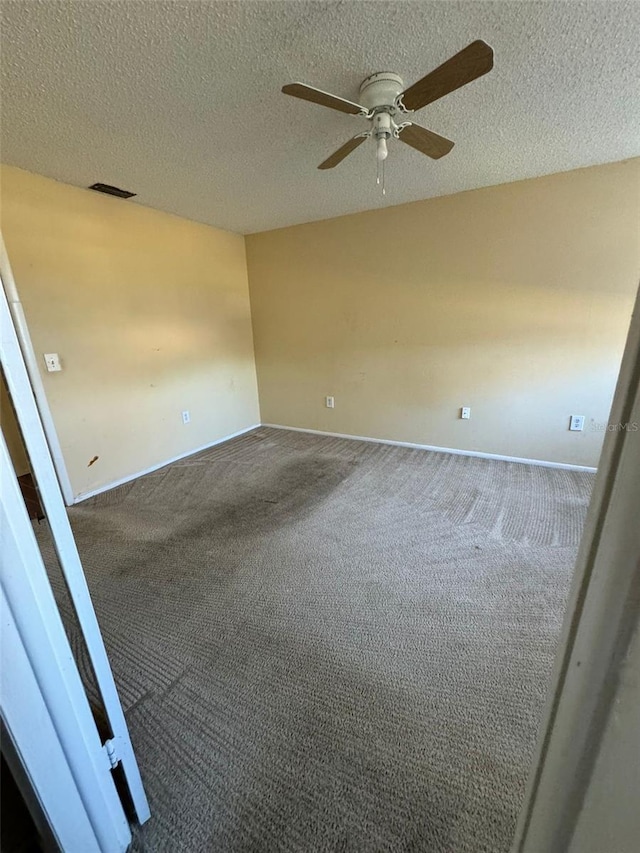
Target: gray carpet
{"x": 329, "y": 645}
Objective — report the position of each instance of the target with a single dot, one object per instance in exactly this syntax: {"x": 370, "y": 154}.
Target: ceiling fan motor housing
{"x": 381, "y": 90}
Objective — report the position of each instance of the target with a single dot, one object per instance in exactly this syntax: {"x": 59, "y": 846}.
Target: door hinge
{"x": 111, "y": 749}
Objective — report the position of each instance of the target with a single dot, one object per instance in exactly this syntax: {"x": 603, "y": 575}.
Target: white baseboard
{"x": 476, "y": 453}
{"x": 83, "y": 496}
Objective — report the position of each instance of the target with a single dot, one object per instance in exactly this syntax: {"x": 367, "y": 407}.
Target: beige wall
{"x": 514, "y": 300}
{"x": 150, "y": 315}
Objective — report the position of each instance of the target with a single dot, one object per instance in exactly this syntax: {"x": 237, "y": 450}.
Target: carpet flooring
{"x": 330, "y": 645}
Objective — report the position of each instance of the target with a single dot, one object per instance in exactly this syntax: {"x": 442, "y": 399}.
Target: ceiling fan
{"x": 383, "y": 99}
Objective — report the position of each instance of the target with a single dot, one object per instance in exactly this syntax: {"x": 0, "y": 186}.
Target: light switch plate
{"x": 52, "y": 360}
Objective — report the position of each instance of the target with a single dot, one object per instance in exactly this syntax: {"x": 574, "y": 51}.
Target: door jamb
{"x": 28, "y": 353}
{"x": 602, "y": 612}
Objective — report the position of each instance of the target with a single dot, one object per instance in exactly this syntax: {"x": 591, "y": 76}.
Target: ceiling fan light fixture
{"x": 383, "y": 99}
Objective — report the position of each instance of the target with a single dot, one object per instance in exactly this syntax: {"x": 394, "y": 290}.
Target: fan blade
{"x": 475, "y": 60}
{"x": 339, "y": 155}
{"x": 426, "y": 141}
{"x": 325, "y": 99}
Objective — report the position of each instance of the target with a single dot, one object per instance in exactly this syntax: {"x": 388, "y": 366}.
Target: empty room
{"x": 314, "y": 315}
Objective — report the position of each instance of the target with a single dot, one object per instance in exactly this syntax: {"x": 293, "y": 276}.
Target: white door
{"x": 118, "y": 747}
{"x": 49, "y": 736}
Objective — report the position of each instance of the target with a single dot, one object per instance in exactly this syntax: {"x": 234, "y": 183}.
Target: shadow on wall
{"x": 11, "y": 431}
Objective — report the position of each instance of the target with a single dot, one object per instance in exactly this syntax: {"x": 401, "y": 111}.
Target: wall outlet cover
{"x": 465, "y": 413}
{"x": 330, "y": 402}
{"x": 576, "y": 423}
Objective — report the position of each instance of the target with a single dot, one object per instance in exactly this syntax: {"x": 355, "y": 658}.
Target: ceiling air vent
{"x": 109, "y": 190}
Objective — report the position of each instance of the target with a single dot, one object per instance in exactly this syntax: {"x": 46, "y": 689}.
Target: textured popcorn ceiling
{"x": 180, "y": 101}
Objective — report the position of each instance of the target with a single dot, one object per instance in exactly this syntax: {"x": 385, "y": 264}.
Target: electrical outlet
{"x": 465, "y": 413}
{"x": 576, "y": 423}
{"x": 186, "y": 417}
{"x": 329, "y": 402}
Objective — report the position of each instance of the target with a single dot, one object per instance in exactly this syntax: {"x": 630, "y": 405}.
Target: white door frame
{"x": 28, "y": 416}
{"x": 44, "y": 708}
{"x": 602, "y": 612}
{"x": 31, "y": 364}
